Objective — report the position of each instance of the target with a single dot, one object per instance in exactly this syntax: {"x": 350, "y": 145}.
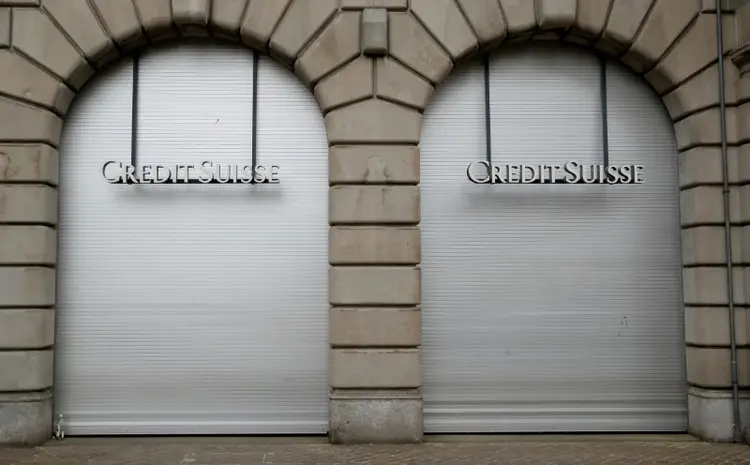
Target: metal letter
{"x": 471, "y": 176}
{"x": 117, "y": 180}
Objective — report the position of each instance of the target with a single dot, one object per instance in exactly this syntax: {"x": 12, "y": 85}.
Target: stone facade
{"x": 373, "y": 66}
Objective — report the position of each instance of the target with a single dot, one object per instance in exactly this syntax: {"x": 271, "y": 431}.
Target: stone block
{"x": 27, "y": 287}
{"x": 28, "y": 163}
{"x": 373, "y": 164}
{"x": 374, "y": 286}
{"x": 704, "y": 205}
{"x": 22, "y": 122}
{"x": 121, "y": 22}
{"x": 29, "y": 370}
{"x": 336, "y": 45}
{"x": 352, "y": 83}
{"x": 446, "y": 23}
{"x": 191, "y": 16}
{"x": 387, "y": 4}
{"x": 743, "y": 23}
{"x": 374, "y": 205}
{"x": 226, "y": 16}
{"x": 667, "y": 20}
{"x": 28, "y": 245}
{"x": 23, "y": 80}
{"x": 25, "y": 418}
{"x": 745, "y": 241}
{"x": 156, "y": 18}
{"x": 375, "y": 32}
{"x": 413, "y": 46}
{"x": 741, "y": 123}
{"x": 702, "y": 91}
{"x": 693, "y": 51}
{"x": 712, "y": 413}
{"x": 81, "y": 24}
{"x": 486, "y": 20}
{"x": 705, "y": 285}
{"x": 301, "y": 23}
{"x": 4, "y": 28}
{"x": 28, "y": 203}
{"x": 398, "y": 84}
{"x": 705, "y": 245}
{"x": 591, "y": 17}
{"x": 373, "y": 121}
{"x": 704, "y": 128}
{"x": 374, "y": 368}
{"x": 36, "y": 36}
{"x": 743, "y": 162}
{"x": 554, "y": 14}
{"x": 709, "y": 326}
{"x": 381, "y": 417}
{"x": 28, "y": 328}
{"x": 625, "y": 20}
{"x": 711, "y": 367}
{"x": 261, "y": 19}
{"x": 19, "y": 2}
{"x": 371, "y": 245}
{"x": 520, "y": 16}
{"x": 374, "y": 327}
{"x": 703, "y": 166}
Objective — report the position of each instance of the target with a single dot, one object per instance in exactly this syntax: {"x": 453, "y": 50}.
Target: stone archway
{"x": 372, "y": 72}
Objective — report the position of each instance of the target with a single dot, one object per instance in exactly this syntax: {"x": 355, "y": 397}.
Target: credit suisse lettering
{"x": 482, "y": 172}
{"x": 115, "y": 172}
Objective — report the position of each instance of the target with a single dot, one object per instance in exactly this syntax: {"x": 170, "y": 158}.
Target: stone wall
{"x": 373, "y": 66}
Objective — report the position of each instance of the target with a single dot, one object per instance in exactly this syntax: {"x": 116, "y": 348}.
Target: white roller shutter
{"x": 193, "y": 309}
{"x": 550, "y": 308}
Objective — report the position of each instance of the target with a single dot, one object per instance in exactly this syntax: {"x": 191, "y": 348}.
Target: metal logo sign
{"x": 207, "y": 172}
{"x": 483, "y": 172}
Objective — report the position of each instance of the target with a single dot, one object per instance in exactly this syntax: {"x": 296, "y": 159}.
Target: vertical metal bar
{"x": 487, "y": 117}
{"x": 253, "y": 142}
{"x": 603, "y": 100}
{"x": 134, "y": 114}
{"x": 736, "y": 426}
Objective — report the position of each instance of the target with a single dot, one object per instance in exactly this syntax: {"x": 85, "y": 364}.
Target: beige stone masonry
{"x": 352, "y": 83}
{"x": 374, "y": 327}
{"x": 27, "y": 287}
{"x": 28, "y": 163}
{"x": 156, "y": 18}
{"x": 4, "y": 27}
{"x": 444, "y": 21}
{"x": 225, "y": 17}
{"x": 666, "y": 21}
{"x": 336, "y": 45}
{"x": 486, "y": 21}
{"x": 705, "y": 245}
{"x": 704, "y": 205}
{"x": 702, "y": 166}
{"x": 552, "y": 14}
{"x": 374, "y": 205}
{"x": 78, "y": 20}
{"x": 709, "y": 326}
{"x": 23, "y": 122}
{"x": 413, "y": 46}
{"x": 191, "y": 15}
{"x": 625, "y": 19}
{"x": 399, "y": 85}
{"x": 707, "y": 285}
{"x": 375, "y": 368}
{"x": 374, "y": 286}
{"x": 373, "y": 164}
{"x": 387, "y": 4}
{"x": 373, "y": 245}
{"x": 702, "y": 91}
{"x": 261, "y": 19}
{"x": 712, "y": 368}
{"x": 120, "y": 22}
{"x": 28, "y": 203}
{"x": 520, "y": 16}
{"x": 591, "y": 17}
{"x": 30, "y": 83}
{"x": 28, "y": 245}
{"x": 28, "y": 328}
{"x": 374, "y": 121}
{"x": 302, "y": 21}
{"x": 743, "y": 163}
{"x": 703, "y": 128}
{"x": 38, "y": 38}
{"x": 26, "y": 370}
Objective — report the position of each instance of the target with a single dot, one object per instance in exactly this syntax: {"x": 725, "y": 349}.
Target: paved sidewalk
{"x": 550, "y": 451}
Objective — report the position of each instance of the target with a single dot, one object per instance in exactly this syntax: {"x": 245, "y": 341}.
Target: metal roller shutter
{"x": 550, "y": 308}
{"x": 193, "y": 309}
